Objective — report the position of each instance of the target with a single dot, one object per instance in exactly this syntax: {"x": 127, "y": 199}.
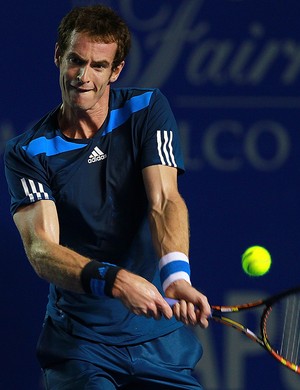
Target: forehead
{"x": 87, "y": 46}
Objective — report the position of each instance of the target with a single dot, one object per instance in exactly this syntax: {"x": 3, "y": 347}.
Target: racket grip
{"x": 171, "y": 301}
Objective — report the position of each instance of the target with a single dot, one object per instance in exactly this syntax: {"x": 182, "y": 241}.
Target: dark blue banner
{"x": 230, "y": 69}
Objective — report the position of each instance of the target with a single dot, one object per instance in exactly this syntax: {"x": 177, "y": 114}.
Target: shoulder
{"x": 15, "y": 145}
{"x": 146, "y": 96}
{"x": 41, "y": 128}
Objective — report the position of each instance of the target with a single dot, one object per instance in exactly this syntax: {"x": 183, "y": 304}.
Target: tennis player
{"x": 94, "y": 196}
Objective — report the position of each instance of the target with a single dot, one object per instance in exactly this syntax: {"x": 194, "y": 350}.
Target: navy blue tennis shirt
{"x": 102, "y": 207}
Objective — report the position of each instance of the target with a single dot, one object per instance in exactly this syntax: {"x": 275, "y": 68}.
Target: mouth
{"x": 80, "y": 89}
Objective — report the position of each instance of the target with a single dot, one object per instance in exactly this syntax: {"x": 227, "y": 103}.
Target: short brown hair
{"x": 100, "y": 23}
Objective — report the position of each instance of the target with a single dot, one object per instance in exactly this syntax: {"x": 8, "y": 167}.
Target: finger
{"x": 164, "y": 309}
{"x": 156, "y": 315}
{"x": 203, "y": 321}
{"x": 191, "y": 314}
{"x": 203, "y": 316}
{"x": 176, "y": 311}
{"x": 184, "y": 312}
{"x": 152, "y": 311}
{"x": 203, "y": 305}
{"x": 158, "y": 308}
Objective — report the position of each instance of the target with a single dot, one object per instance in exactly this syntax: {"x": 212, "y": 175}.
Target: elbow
{"x": 36, "y": 255}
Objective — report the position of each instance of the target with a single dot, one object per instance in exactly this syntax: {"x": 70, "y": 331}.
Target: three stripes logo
{"x": 165, "y": 148}
{"x": 97, "y": 155}
{"x": 34, "y": 190}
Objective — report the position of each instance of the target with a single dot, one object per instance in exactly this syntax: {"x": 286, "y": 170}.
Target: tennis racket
{"x": 279, "y": 325}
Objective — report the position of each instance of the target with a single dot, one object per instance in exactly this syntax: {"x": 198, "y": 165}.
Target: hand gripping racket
{"x": 279, "y": 325}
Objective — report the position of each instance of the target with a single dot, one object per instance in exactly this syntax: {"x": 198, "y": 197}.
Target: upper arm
{"x": 37, "y": 221}
{"x": 160, "y": 183}
{"x": 160, "y": 136}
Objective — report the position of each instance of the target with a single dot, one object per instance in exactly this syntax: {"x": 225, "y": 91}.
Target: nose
{"x": 82, "y": 75}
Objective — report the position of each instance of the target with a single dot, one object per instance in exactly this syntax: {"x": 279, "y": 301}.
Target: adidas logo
{"x": 97, "y": 155}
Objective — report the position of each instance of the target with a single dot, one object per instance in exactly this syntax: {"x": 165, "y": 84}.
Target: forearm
{"x": 168, "y": 218}
{"x": 39, "y": 229}
{"x": 169, "y": 226}
{"x": 170, "y": 232}
{"x": 57, "y": 264}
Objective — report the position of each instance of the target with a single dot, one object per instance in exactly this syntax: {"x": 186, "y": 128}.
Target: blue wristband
{"x": 174, "y": 266}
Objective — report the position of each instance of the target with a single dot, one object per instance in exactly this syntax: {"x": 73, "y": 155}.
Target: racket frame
{"x": 217, "y": 314}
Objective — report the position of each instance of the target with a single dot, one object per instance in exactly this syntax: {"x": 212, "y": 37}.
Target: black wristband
{"x": 98, "y": 278}
{"x": 110, "y": 278}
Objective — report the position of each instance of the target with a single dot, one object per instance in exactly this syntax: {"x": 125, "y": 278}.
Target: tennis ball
{"x": 256, "y": 261}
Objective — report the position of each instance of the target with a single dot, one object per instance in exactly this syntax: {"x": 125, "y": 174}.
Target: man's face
{"x": 86, "y": 71}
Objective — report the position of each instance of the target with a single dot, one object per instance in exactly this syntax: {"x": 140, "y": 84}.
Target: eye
{"x": 99, "y": 66}
{"x": 74, "y": 60}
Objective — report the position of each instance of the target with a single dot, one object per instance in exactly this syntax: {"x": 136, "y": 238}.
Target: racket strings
{"x": 290, "y": 344}
{"x": 284, "y": 328}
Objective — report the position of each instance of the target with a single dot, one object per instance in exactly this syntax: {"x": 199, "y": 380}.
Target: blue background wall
{"x": 230, "y": 69}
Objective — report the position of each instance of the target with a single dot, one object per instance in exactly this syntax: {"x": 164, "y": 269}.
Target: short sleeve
{"x": 26, "y": 177}
{"x": 161, "y": 142}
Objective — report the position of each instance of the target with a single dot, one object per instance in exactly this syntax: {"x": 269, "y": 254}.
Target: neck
{"x": 80, "y": 124}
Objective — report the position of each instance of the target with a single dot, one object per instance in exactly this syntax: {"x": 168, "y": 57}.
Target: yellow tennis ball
{"x": 256, "y": 261}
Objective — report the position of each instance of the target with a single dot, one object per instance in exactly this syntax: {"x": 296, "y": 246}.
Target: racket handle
{"x": 171, "y": 301}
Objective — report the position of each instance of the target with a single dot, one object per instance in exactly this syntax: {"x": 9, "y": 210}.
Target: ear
{"x": 116, "y": 72}
{"x": 57, "y": 55}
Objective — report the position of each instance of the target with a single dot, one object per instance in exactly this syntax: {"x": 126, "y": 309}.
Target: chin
{"x": 82, "y": 106}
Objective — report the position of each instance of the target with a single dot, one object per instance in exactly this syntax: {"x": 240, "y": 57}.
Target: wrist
{"x": 175, "y": 287}
{"x": 174, "y": 267}
{"x": 122, "y": 283}
{"x": 98, "y": 278}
